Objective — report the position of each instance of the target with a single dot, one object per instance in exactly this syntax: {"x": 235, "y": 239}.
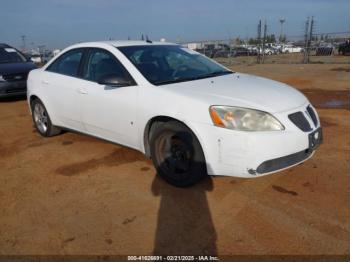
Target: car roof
{"x": 133, "y": 43}
{"x": 2, "y": 45}
{"x": 119, "y": 43}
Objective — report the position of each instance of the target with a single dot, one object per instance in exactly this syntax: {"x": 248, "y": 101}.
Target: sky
{"x": 59, "y": 23}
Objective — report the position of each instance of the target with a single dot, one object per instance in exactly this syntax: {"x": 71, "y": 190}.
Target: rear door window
{"x": 68, "y": 63}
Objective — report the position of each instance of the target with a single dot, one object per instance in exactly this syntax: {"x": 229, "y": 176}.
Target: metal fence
{"x": 331, "y": 48}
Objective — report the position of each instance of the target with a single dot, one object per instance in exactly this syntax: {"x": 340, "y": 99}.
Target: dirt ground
{"x": 73, "y": 194}
{"x": 294, "y": 58}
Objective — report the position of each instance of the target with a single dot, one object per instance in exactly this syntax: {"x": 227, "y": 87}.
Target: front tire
{"x": 42, "y": 121}
{"x": 177, "y": 154}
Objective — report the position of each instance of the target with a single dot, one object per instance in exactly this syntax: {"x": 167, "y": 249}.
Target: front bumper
{"x": 252, "y": 154}
{"x": 13, "y": 88}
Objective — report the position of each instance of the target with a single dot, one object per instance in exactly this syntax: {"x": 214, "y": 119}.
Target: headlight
{"x": 2, "y": 79}
{"x": 244, "y": 119}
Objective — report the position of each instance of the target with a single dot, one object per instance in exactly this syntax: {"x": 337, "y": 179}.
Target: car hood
{"x": 16, "y": 68}
{"x": 241, "y": 90}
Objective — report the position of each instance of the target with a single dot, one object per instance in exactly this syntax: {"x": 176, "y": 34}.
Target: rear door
{"x": 63, "y": 86}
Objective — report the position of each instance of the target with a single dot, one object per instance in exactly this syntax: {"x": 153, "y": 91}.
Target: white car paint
{"x": 121, "y": 115}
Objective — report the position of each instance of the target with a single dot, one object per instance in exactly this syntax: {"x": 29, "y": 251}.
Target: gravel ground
{"x": 73, "y": 194}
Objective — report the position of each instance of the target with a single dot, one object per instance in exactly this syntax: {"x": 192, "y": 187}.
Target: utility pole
{"x": 230, "y": 50}
{"x": 306, "y": 41}
{"x": 282, "y": 21}
{"x": 23, "y": 43}
{"x": 309, "y": 28}
{"x": 264, "y": 42}
{"x": 310, "y": 37}
{"x": 259, "y": 43}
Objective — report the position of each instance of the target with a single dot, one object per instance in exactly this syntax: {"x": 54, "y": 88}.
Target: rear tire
{"x": 42, "y": 121}
{"x": 177, "y": 154}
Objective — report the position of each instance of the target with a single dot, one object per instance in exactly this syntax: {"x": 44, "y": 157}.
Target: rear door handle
{"x": 82, "y": 91}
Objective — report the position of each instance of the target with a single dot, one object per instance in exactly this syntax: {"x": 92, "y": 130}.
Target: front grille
{"x": 300, "y": 121}
{"x": 283, "y": 162}
{"x": 15, "y": 77}
{"x": 312, "y": 114}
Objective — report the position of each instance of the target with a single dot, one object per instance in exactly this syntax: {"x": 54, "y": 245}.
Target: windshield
{"x": 166, "y": 64}
{"x": 10, "y": 55}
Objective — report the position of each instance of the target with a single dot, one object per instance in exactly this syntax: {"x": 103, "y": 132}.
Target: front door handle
{"x": 45, "y": 82}
{"x": 82, "y": 91}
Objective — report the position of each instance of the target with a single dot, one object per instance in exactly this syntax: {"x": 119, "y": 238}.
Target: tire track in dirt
{"x": 117, "y": 157}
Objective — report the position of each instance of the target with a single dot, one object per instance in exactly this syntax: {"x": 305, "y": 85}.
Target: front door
{"x": 108, "y": 112}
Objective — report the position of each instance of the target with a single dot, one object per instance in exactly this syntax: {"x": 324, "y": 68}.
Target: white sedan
{"x": 191, "y": 115}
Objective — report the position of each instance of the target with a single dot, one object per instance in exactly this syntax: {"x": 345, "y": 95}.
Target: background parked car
{"x": 268, "y": 51}
{"x": 222, "y": 53}
{"x": 277, "y": 48}
{"x": 208, "y": 50}
{"x": 240, "y": 51}
{"x": 291, "y": 49}
{"x": 14, "y": 69}
{"x": 253, "y": 50}
{"x": 325, "y": 49}
{"x": 344, "y": 49}
{"x": 36, "y": 58}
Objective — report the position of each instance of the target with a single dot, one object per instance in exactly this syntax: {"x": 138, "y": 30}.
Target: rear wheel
{"x": 177, "y": 154}
{"x": 42, "y": 120}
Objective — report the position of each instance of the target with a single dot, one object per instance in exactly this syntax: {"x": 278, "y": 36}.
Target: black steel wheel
{"x": 177, "y": 154}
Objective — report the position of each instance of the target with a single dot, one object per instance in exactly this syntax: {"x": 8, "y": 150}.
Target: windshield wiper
{"x": 216, "y": 73}
{"x": 176, "y": 80}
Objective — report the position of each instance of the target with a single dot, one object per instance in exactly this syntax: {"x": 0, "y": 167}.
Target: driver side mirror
{"x": 114, "y": 81}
